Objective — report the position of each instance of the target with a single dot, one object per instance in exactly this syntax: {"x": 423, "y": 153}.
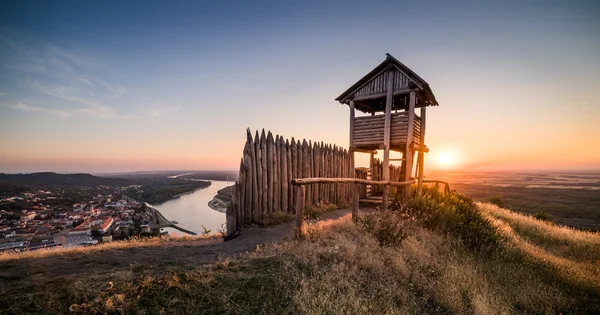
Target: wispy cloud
{"x": 67, "y": 84}
{"x": 36, "y": 109}
{"x": 583, "y": 106}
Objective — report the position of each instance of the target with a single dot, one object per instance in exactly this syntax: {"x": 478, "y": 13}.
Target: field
{"x": 435, "y": 254}
{"x": 573, "y": 199}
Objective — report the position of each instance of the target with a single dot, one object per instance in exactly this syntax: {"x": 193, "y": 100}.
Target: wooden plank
{"x": 294, "y": 162}
{"x": 242, "y": 194}
{"x": 321, "y": 170}
{"x": 248, "y": 194}
{"x": 328, "y": 180}
{"x": 309, "y": 161}
{"x": 315, "y": 170}
{"x": 409, "y": 138}
{"x": 362, "y": 119}
{"x": 284, "y": 178}
{"x": 352, "y": 113}
{"x": 386, "y": 140}
{"x": 259, "y": 172}
{"x": 305, "y": 164}
{"x": 301, "y": 191}
{"x": 372, "y": 131}
{"x": 356, "y": 197}
{"x": 255, "y": 206}
{"x": 382, "y": 95}
{"x": 276, "y": 186}
{"x": 271, "y": 171}
{"x": 331, "y": 168}
{"x": 265, "y": 176}
{"x": 290, "y": 192}
{"x": 230, "y": 216}
{"x": 421, "y": 152}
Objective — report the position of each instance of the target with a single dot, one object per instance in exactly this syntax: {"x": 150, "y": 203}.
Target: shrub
{"x": 275, "y": 218}
{"x": 452, "y": 213}
{"x": 544, "y": 216}
{"x": 390, "y": 228}
{"x": 497, "y": 200}
{"x": 314, "y": 212}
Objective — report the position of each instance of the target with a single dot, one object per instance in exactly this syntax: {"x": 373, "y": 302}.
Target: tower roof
{"x": 369, "y": 93}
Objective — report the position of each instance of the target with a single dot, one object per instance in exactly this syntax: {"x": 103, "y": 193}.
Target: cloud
{"x": 161, "y": 110}
{"x": 91, "y": 107}
{"x": 36, "y": 109}
{"x": 64, "y": 82}
{"x": 583, "y": 106}
{"x": 69, "y": 84}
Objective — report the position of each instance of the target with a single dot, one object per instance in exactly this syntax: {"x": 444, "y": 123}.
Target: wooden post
{"x": 230, "y": 215}
{"x": 241, "y": 194}
{"x": 255, "y": 205}
{"x": 290, "y": 170}
{"x": 422, "y": 149}
{"x": 284, "y": 178}
{"x": 299, "y": 209}
{"x": 355, "y": 197}
{"x": 308, "y": 173}
{"x": 409, "y": 139}
{"x": 265, "y": 176}
{"x": 248, "y": 195}
{"x": 386, "y": 135}
{"x": 270, "y": 155}
{"x": 351, "y": 157}
{"x": 276, "y": 187}
{"x": 315, "y": 172}
{"x": 294, "y": 162}
{"x": 258, "y": 175}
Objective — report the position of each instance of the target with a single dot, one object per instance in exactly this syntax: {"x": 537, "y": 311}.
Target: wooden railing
{"x": 301, "y": 192}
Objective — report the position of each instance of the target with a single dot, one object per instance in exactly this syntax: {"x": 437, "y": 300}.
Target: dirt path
{"x": 195, "y": 252}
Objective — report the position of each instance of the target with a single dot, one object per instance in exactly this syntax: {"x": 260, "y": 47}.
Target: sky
{"x": 113, "y": 86}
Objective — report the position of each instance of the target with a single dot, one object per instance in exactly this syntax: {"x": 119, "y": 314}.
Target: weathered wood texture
{"x": 369, "y": 130}
{"x": 268, "y": 165}
{"x": 378, "y": 84}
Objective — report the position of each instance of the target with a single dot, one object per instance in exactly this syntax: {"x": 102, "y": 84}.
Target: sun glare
{"x": 445, "y": 160}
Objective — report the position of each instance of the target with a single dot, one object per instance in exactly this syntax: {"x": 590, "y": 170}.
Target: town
{"x": 46, "y": 218}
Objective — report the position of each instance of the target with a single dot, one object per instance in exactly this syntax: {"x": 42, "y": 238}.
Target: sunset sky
{"x": 106, "y": 86}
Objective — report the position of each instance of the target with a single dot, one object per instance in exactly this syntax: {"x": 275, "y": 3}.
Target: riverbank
{"x": 189, "y": 192}
{"x": 160, "y": 191}
{"x": 221, "y": 200}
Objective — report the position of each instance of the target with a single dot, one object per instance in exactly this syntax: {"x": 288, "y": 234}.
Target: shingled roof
{"x": 425, "y": 95}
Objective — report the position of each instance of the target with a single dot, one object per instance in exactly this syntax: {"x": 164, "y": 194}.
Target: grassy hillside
{"x": 434, "y": 254}
{"x": 574, "y": 207}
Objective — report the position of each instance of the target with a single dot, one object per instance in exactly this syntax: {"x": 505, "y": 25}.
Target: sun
{"x": 446, "y": 160}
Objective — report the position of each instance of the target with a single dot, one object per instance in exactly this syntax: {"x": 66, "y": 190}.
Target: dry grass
{"x": 560, "y": 240}
{"x": 573, "y": 255}
{"x": 135, "y": 242}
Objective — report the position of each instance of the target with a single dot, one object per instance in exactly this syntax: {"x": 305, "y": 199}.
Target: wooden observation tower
{"x": 388, "y": 97}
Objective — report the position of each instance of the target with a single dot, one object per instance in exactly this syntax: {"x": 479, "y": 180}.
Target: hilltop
{"x": 432, "y": 254}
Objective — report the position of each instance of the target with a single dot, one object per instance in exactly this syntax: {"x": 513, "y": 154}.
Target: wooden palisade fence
{"x": 269, "y": 164}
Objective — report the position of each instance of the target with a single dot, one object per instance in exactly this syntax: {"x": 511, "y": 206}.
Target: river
{"x": 191, "y": 211}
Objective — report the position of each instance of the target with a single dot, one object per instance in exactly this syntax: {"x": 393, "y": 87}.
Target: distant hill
{"x": 230, "y": 175}
{"x": 49, "y": 179}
